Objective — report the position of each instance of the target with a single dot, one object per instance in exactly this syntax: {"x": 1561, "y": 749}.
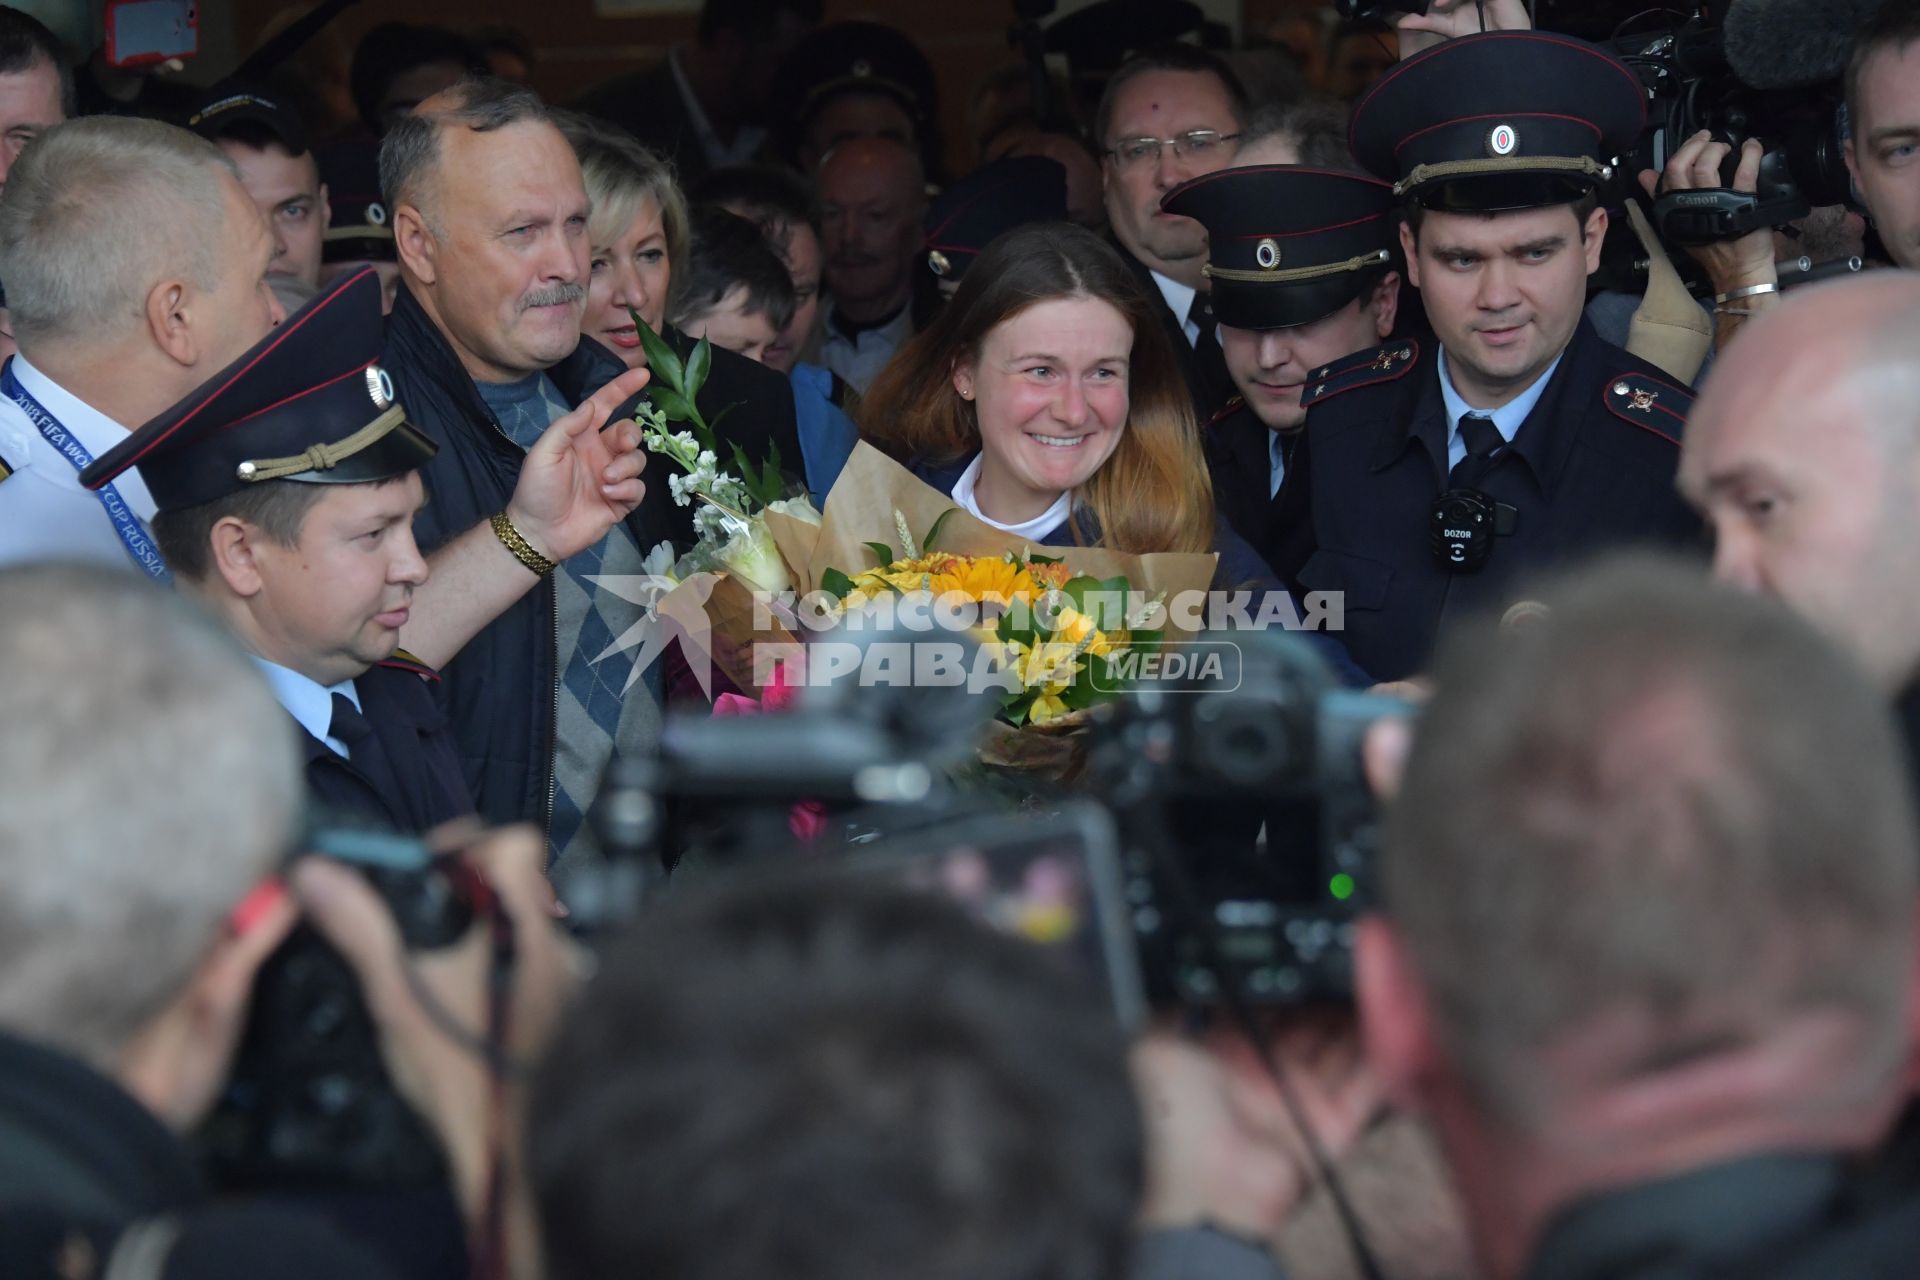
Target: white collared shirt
{"x": 1277, "y": 461}
{"x": 1180, "y": 301}
{"x": 746, "y": 142}
{"x": 308, "y": 701}
{"x": 859, "y": 358}
{"x": 1506, "y": 419}
{"x": 1034, "y": 530}
{"x": 44, "y": 513}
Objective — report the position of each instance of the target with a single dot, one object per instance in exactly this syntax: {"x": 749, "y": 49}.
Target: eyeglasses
{"x": 1130, "y": 153}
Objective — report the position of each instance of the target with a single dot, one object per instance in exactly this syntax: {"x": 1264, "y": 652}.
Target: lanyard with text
{"x": 133, "y": 534}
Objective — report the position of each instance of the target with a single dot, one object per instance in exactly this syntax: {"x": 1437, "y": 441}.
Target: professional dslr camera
{"x": 309, "y": 1103}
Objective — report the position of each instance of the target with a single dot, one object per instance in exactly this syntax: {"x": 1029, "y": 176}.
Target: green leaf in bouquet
{"x": 933, "y": 534}
{"x": 882, "y": 553}
{"x": 661, "y": 358}
{"x": 836, "y": 584}
{"x": 1035, "y": 558}
{"x": 764, "y": 484}
{"x": 671, "y": 403}
{"x": 695, "y": 375}
{"x": 775, "y": 469}
{"x": 1017, "y": 706}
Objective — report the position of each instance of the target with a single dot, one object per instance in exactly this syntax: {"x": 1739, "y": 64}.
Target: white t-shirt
{"x": 1034, "y": 530}
{"x": 44, "y": 513}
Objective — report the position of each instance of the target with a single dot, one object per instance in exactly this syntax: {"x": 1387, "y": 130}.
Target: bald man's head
{"x": 872, "y": 197}
{"x": 1803, "y": 454}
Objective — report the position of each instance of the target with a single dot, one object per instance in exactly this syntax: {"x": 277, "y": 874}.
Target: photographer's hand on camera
{"x": 1223, "y": 1150}
{"x": 442, "y": 1069}
{"x": 1731, "y": 265}
{"x": 181, "y": 1062}
{"x": 1445, "y": 19}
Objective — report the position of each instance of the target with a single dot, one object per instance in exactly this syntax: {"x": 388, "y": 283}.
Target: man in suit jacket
{"x": 704, "y": 106}
{"x": 1167, "y": 117}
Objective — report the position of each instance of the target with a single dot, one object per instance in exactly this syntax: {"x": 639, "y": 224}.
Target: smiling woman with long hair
{"x": 1047, "y": 400}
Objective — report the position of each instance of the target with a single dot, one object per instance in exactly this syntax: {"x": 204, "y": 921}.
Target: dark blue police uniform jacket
{"x": 1239, "y": 567}
{"x": 1591, "y": 468}
{"x": 411, "y": 779}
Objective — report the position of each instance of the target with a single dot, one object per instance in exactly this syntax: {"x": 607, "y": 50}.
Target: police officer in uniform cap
{"x": 1443, "y": 473}
{"x": 285, "y": 489}
{"x": 996, "y": 197}
{"x": 1301, "y": 262}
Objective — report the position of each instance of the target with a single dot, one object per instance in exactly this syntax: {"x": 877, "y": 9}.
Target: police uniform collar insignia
{"x": 938, "y": 262}
{"x": 1363, "y": 369}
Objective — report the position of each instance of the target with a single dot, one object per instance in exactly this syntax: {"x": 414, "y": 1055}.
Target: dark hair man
{"x": 1883, "y": 105}
{"x": 1301, "y": 265}
{"x": 1646, "y": 942}
{"x": 705, "y": 105}
{"x": 399, "y": 65}
{"x": 834, "y": 1078}
{"x": 1883, "y": 109}
{"x": 268, "y": 146}
{"x": 489, "y": 216}
{"x": 36, "y": 84}
{"x": 735, "y": 292}
{"x": 1164, "y": 118}
{"x": 783, "y": 206}
{"x": 1442, "y": 473}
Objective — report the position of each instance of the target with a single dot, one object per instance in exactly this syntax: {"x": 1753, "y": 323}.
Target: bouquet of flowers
{"x": 748, "y": 535}
{"x": 729, "y": 521}
{"x": 1059, "y": 626}
{"x": 1044, "y": 628}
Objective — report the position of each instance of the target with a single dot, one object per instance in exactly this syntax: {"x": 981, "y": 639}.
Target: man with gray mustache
{"x": 490, "y": 227}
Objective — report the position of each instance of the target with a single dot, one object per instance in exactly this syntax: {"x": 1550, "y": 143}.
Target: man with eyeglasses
{"x": 1166, "y": 117}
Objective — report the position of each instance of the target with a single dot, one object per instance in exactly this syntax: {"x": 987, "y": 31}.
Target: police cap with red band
{"x": 994, "y": 198}
{"x": 308, "y": 403}
{"x": 1504, "y": 120}
{"x": 1287, "y": 245}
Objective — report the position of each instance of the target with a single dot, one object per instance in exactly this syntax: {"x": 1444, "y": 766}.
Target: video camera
{"x": 1202, "y": 921}
{"x": 1691, "y": 86}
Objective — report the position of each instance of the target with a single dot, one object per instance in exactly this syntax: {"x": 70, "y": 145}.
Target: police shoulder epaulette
{"x": 1368, "y": 368}
{"x": 1227, "y": 410}
{"x": 1648, "y": 403}
{"x": 401, "y": 660}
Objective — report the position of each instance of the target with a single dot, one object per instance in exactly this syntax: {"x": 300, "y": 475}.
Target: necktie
{"x": 1484, "y": 443}
{"x": 1200, "y": 316}
{"x": 348, "y": 726}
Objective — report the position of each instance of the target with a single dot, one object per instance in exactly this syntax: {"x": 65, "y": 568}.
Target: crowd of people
{"x": 321, "y": 477}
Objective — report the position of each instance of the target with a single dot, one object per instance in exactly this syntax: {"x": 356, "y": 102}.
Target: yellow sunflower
{"x": 983, "y": 578}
